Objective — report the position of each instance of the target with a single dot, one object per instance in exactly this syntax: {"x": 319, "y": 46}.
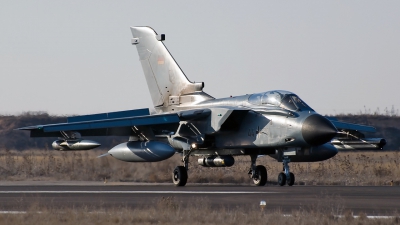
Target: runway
{"x": 382, "y": 200}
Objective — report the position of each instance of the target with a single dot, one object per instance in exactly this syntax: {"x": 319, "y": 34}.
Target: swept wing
{"x": 106, "y": 124}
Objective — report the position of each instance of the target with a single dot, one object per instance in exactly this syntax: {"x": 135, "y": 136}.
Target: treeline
{"x": 388, "y": 127}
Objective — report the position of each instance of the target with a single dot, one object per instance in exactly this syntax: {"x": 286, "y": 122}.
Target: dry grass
{"x": 347, "y": 168}
{"x": 168, "y": 210}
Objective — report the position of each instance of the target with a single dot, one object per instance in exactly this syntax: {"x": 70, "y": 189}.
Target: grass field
{"x": 346, "y": 168}
{"x": 169, "y": 211}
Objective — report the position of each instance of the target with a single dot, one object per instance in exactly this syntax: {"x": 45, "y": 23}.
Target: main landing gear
{"x": 179, "y": 175}
{"x": 286, "y": 177}
{"x": 257, "y": 173}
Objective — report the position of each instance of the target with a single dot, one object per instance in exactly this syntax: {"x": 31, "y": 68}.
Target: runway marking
{"x": 285, "y": 215}
{"x": 355, "y": 217}
{"x": 137, "y": 192}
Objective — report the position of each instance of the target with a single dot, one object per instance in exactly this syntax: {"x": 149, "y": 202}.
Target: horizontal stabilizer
{"x": 351, "y": 126}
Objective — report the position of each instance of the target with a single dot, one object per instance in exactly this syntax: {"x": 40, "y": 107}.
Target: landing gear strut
{"x": 180, "y": 176}
{"x": 286, "y": 177}
{"x": 257, "y": 173}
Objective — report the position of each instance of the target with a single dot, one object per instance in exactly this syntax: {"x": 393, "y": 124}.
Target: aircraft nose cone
{"x": 317, "y": 130}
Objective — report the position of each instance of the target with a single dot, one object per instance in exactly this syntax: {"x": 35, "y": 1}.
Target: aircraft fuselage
{"x": 272, "y": 129}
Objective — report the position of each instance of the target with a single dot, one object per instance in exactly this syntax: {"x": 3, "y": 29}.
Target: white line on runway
{"x": 136, "y": 192}
{"x": 285, "y": 215}
{"x": 356, "y": 217}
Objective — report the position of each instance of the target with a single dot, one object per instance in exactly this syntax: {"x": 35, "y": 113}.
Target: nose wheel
{"x": 286, "y": 177}
{"x": 282, "y": 180}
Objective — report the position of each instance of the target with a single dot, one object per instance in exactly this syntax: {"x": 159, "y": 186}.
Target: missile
{"x": 74, "y": 145}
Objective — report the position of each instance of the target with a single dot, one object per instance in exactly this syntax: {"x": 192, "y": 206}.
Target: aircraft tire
{"x": 281, "y": 179}
{"x": 179, "y": 176}
{"x": 261, "y": 180}
{"x": 291, "y": 181}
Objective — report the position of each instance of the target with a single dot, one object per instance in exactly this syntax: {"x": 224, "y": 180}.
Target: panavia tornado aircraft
{"x": 190, "y": 122}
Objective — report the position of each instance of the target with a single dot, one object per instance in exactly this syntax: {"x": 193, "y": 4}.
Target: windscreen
{"x": 300, "y": 104}
{"x": 293, "y": 102}
{"x": 287, "y": 103}
{"x": 283, "y": 99}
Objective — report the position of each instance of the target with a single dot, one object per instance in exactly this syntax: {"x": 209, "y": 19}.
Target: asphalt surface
{"x": 382, "y": 200}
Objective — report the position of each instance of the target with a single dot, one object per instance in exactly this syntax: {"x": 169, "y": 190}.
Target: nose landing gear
{"x": 286, "y": 177}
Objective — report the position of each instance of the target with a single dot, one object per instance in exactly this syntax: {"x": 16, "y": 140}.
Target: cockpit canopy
{"x": 283, "y": 99}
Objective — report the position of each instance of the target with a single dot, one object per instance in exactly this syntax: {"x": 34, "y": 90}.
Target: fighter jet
{"x": 192, "y": 123}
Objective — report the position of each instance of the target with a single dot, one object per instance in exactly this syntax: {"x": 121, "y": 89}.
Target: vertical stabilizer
{"x": 164, "y": 77}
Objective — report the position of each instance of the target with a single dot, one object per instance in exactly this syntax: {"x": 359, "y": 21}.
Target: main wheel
{"x": 282, "y": 179}
{"x": 179, "y": 176}
{"x": 291, "y": 181}
{"x": 261, "y": 176}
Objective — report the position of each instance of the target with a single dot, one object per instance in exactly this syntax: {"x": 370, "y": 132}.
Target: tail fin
{"x": 164, "y": 77}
